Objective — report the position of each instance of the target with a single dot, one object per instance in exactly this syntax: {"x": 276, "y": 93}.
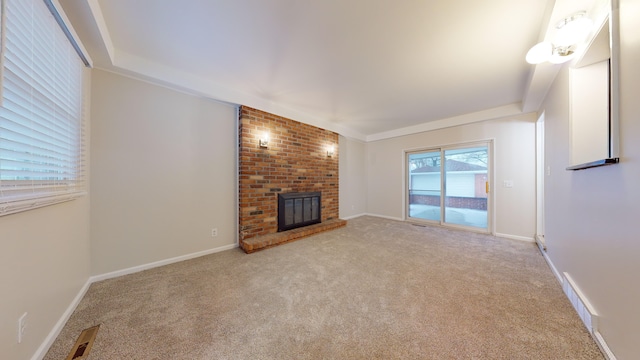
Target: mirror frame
{"x": 614, "y": 92}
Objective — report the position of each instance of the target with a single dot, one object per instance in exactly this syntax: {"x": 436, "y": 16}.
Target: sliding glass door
{"x": 425, "y": 185}
{"x": 466, "y": 186}
{"x": 450, "y": 185}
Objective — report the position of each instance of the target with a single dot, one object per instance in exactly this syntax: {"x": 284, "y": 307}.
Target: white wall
{"x": 514, "y": 159}
{"x": 352, "y": 172}
{"x": 591, "y": 216}
{"x": 44, "y": 264}
{"x": 163, "y": 173}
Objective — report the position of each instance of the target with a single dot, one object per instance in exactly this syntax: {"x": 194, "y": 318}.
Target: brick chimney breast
{"x": 295, "y": 159}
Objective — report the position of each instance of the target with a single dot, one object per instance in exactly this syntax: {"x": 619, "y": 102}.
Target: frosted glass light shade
{"x": 264, "y": 140}
{"x": 539, "y": 53}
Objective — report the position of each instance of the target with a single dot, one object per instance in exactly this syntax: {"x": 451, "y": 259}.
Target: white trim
{"x": 490, "y": 144}
{"x": 55, "y": 331}
{"x": 539, "y": 239}
{"x": 590, "y": 322}
{"x": 135, "y": 269}
{"x": 3, "y": 41}
{"x": 515, "y": 237}
{"x": 604, "y": 347}
{"x": 504, "y": 236}
{"x": 614, "y": 84}
{"x": 553, "y": 267}
{"x": 511, "y": 110}
{"x": 383, "y": 216}
{"x": 406, "y": 182}
{"x": 57, "y": 328}
{"x": 597, "y": 336}
{"x": 237, "y": 176}
{"x": 53, "y": 334}
{"x": 353, "y": 216}
{"x": 141, "y": 68}
{"x": 12, "y": 207}
{"x": 62, "y": 20}
{"x": 96, "y": 12}
{"x": 540, "y": 176}
{"x": 146, "y": 69}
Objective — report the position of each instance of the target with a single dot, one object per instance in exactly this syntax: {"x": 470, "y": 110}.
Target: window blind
{"x": 41, "y": 116}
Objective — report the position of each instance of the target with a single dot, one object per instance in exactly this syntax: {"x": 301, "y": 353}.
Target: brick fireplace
{"x": 295, "y": 160}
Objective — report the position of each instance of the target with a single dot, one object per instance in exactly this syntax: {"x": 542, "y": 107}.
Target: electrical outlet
{"x": 214, "y": 232}
{"x": 22, "y": 327}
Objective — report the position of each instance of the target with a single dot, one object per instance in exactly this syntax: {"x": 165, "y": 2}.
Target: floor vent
{"x": 580, "y": 303}
{"x": 84, "y": 343}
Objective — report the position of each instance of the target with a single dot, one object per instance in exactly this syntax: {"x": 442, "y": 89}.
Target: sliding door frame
{"x": 489, "y": 143}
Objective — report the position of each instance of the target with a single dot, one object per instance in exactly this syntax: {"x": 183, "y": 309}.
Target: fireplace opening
{"x": 298, "y": 209}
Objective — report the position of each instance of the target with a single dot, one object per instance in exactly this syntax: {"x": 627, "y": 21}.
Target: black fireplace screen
{"x": 298, "y": 209}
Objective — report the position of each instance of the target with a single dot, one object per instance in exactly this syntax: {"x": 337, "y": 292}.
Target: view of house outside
{"x": 465, "y": 176}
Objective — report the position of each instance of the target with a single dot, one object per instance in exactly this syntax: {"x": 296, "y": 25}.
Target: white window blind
{"x": 41, "y": 115}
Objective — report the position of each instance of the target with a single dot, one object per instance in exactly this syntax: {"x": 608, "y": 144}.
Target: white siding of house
{"x": 458, "y": 184}
{"x": 425, "y": 184}
{"x": 461, "y": 185}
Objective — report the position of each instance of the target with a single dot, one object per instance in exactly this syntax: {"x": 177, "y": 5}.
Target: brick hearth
{"x": 295, "y": 160}
{"x": 266, "y": 241}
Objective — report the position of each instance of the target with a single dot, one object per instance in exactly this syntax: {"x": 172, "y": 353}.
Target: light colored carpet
{"x": 375, "y": 289}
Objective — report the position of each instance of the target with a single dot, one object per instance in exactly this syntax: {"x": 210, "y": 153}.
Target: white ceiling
{"x": 367, "y": 69}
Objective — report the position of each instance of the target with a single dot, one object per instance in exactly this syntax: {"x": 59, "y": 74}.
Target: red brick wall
{"x": 295, "y": 161}
{"x": 477, "y": 203}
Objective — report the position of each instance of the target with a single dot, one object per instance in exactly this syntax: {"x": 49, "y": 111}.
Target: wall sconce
{"x": 264, "y": 140}
{"x": 570, "y": 32}
{"x": 330, "y": 150}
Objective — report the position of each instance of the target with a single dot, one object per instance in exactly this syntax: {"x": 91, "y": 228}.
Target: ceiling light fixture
{"x": 570, "y": 32}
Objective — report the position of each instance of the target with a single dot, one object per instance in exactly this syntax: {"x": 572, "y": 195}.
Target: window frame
{"x": 16, "y": 194}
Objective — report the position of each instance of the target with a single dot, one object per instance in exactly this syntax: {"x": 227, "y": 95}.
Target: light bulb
{"x": 330, "y": 150}
{"x": 561, "y": 55}
{"x": 264, "y": 140}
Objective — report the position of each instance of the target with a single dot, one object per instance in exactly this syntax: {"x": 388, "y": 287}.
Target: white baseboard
{"x": 597, "y": 337}
{"x": 135, "y": 269}
{"x": 516, "y": 237}
{"x": 540, "y": 242}
{"x": 353, "y": 216}
{"x": 506, "y": 236}
{"x": 553, "y": 268}
{"x": 53, "y": 334}
{"x": 604, "y": 347}
{"x": 383, "y": 216}
{"x": 57, "y": 328}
